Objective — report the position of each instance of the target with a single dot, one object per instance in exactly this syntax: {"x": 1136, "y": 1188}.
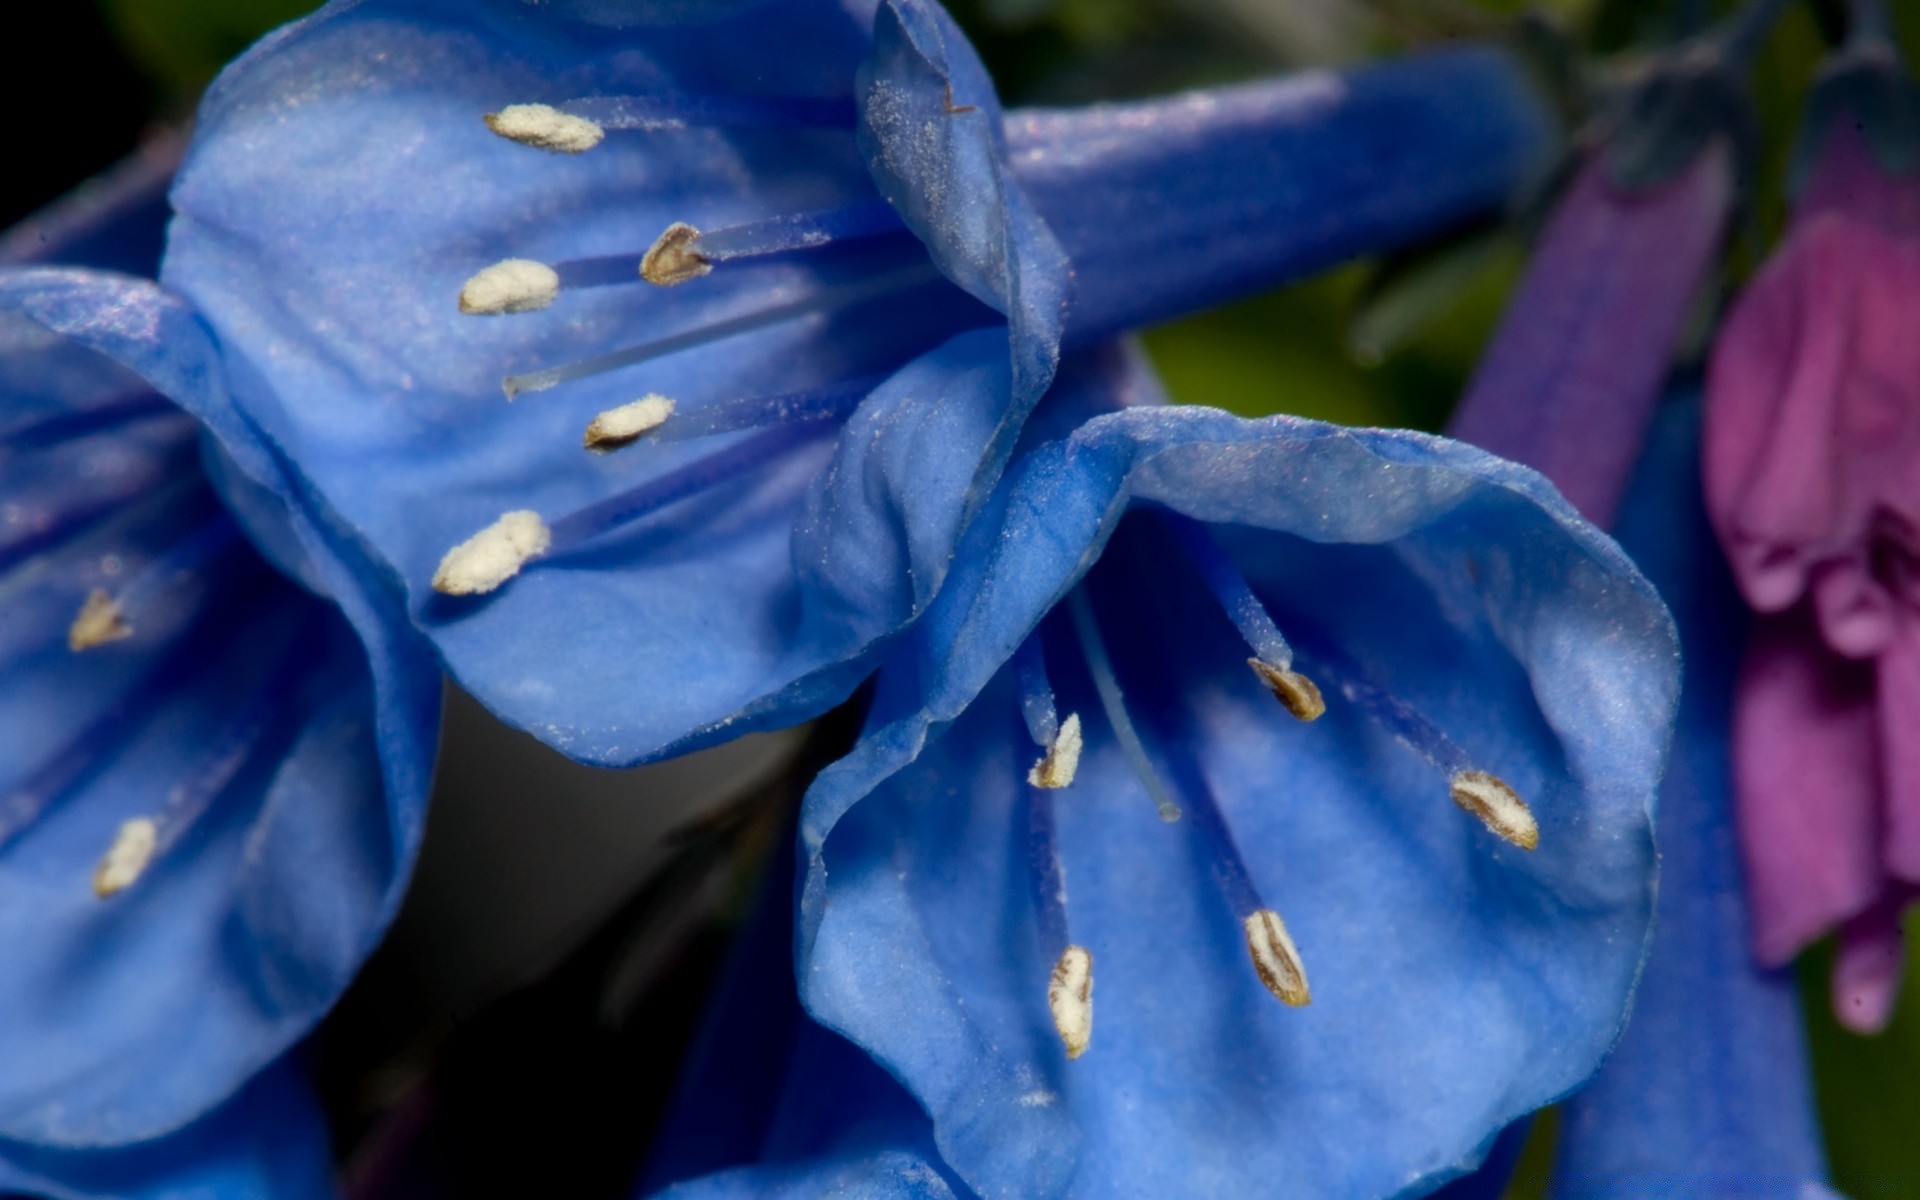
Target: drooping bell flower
{"x": 1708, "y": 1092}
{"x": 1574, "y": 372}
{"x": 1812, "y": 462}
{"x": 1259, "y": 800}
{"x": 212, "y": 776}
{"x": 753, "y": 264}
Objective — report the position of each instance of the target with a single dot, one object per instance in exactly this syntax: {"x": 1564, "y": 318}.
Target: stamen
{"x": 1486, "y": 796}
{"x": 1275, "y": 959}
{"x": 825, "y": 300}
{"x": 71, "y": 762}
{"x": 680, "y": 111}
{"x": 759, "y": 412}
{"x": 1295, "y": 692}
{"x": 1497, "y": 805}
{"x": 100, "y": 621}
{"x": 1060, "y": 743}
{"x": 739, "y": 460}
{"x": 627, "y": 424}
{"x": 673, "y": 257}
{"x": 546, "y": 128}
{"x": 1070, "y": 999}
{"x": 105, "y": 618}
{"x": 1070, "y": 987}
{"x": 126, "y": 860}
{"x": 1061, "y": 762}
{"x": 516, "y": 285}
{"x": 144, "y": 839}
{"x": 494, "y": 555}
{"x": 684, "y": 253}
{"x": 1114, "y": 704}
{"x": 1273, "y": 658}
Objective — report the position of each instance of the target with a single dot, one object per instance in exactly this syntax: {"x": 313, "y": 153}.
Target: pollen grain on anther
{"x": 100, "y": 621}
{"x": 546, "y": 128}
{"x": 514, "y": 285}
{"x": 628, "y": 423}
{"x": 1061, "y": 762}
{"x": 127, "y": 858}
{"x": 1498, "y": 806}
{"x": 674, "y": 258}
{"x": 1275, "y": 958}
{"x": 1296, "y": 693}
{"x": 494, "y": 555}
{"x": 1070, "y": 999}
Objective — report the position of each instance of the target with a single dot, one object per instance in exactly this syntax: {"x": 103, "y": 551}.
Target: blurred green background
{"x": 1372, "y": 344}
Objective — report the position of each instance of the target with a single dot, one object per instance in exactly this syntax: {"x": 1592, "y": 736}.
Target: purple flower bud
{"x": 1569, "y": 384}
{"x": 1812, "y": 474}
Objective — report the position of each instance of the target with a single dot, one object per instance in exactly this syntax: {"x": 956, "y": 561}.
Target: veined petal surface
{"x": 1458, "y": 982}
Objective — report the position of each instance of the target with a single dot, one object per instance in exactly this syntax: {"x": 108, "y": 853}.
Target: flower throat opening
{"x": 864, "y": 271}
{"x": 1166, "y": 764}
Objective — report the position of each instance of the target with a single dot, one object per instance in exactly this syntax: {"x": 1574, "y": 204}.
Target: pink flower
{"x": 1812, "y": 467}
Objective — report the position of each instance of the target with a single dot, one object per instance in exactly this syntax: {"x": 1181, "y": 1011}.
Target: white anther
{"x": 674, "y": 257}
{"x": 1275, "y": 960}
{"x": 1295, "y": 692}
{"x": 99, "y": 622}
{"x": 126, "y": 860}
{"x": 1498, "y": 806}
{"x": 515, "y": 285}
{"x": 1062, "y": 760}
{"x": 494, "y": 555}
{"x": 1070, "y": 998}
{"x": 546, "y": 127}
{"x": 621, "y": 426}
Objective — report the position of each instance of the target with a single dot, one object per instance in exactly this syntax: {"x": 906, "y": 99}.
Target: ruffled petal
{"x": 1806, "y": 762}
{"x": 337, "y": 329}
{"x": 1773, "y": 440}
{"x": 1457, "y": 983}
{"x": 277, "y": 747}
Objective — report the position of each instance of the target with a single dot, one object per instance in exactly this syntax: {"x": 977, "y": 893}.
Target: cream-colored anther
{"x": 516, "y": 285}
{"x": 1295, "y": 692}
{"x": 100, "y": 621}
{"x": 1498, "y": 806}
{"x": 674, "y": 257}
{"x": 546, "y": 127}
{"x": 126, "y": 860}
{"x": 1275, "y": 960}
{"x": 1061, "y": 762}
{"x": 494, "y": 555}
{"x": 1070, "y": 999}
{"x": 627, "y": 424}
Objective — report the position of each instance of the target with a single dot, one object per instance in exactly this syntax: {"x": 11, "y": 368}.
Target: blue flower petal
{"x": 334, "y": 310}
{"x": 1709, "y": 1088}
{"x": 288, "y": 741}
{"x": 267, "y": 1143}
{"x": 1458, "y": 983}
{"x": 332, "y": 307}
{"x": 884, "y": 1174}
{"x": 931, "y": 133}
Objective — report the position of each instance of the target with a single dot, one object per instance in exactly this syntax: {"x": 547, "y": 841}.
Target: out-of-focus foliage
{"x": 182, "y": 43}
{"x": 1314, "y": 349}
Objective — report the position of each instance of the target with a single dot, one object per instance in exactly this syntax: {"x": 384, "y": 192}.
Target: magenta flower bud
{"x": 1569, "y": 383}
{"x": 1812, "y": 476}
